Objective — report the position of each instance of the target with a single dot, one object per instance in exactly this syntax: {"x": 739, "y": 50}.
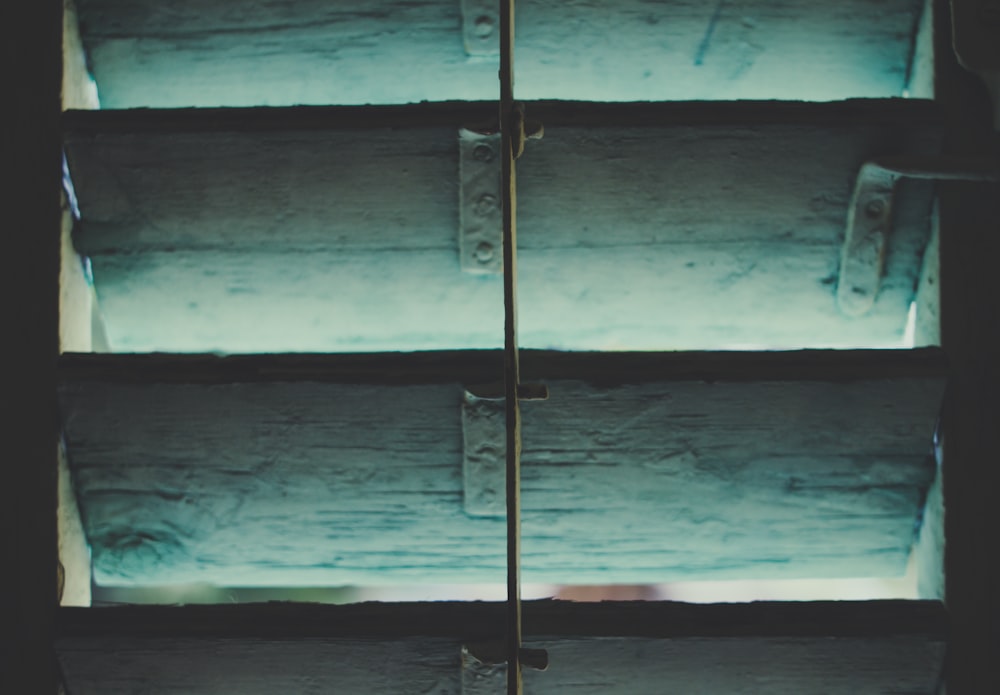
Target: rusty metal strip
{"x": 869, "y": 217}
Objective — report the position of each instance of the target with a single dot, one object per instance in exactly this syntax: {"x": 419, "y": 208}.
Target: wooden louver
{"x": 337, "y": 229}
{"x": 331, "y": 470}
{"x": 308, "y": 469}
{"x": 145, "y": 54}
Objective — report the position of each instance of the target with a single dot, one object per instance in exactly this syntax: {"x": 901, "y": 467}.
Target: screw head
{"x": 875, "y": 207}
{"x": 485, "y": 252}
{"x": 483, "y": 26}
{"x": 486, "y": 204}
{"x": 482, "y": 153}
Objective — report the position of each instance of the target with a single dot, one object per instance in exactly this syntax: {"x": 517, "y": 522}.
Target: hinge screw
{"x": 484, "y": 26}
{"x": 486, "y": 204}
{"x": 482, "y": 153}
{"x": 875, "y": 207}
{"x": 484, "y": 252}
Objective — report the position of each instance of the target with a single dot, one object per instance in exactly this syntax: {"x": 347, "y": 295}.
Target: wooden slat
{"x": 642, "y": 648}
{"x": 191, "y": 53}
{"x": 512, "y": 129}
{"x": 329, "y": 470}
{"x": 642, "y": 226}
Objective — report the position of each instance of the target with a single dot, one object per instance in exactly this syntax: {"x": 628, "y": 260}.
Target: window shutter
{"x": 677, "y": 224}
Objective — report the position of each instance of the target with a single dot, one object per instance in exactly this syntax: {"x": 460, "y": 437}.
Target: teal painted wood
{"x": 331, "y": 470}
{"x": 190, "y": 53}
{"x": 838, "y": 648}
{"x": 642, "y": 226}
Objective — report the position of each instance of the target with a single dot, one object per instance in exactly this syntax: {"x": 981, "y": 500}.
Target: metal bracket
{"x": 869, "y": 218}
{"x": 524, "y": 129}
{"x": 484, "y": 468}
{"x": 976, "y": 39}
{"x": 480, "y": 237}
{"x": 481, "y": 27}
{"x": 484, "y": 666}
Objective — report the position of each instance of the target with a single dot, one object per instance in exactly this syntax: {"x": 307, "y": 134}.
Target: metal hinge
{"x": 480, "y": 237}
{"x": 480, "y": 225}
{"x": 484, "y": 468}
{"x": 869, "y": 218}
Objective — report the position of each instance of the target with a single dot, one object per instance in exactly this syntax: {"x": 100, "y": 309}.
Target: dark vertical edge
{"x": 31, "y": 155}
{"x": 970, "y": 334}
{"x": 512, "y": 376}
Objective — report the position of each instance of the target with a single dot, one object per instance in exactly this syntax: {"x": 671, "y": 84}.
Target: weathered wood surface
{"x": 74, "y": 553}
{"x": 416, "y": 649}
{"x": 642, "y": 226}
{"x": 78, "y": 88}
{"x": 192, "y": 53}
{"x": 330, "y": 470}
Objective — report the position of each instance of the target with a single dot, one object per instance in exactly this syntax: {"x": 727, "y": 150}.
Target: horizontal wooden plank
{"x": 836, "y": 648}
{"x": 331, "y": 470}
{"x": 391, "y": 51}
{"x": 726, "y": 219}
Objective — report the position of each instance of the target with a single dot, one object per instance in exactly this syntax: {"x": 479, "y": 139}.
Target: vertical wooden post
{"x": 970, "y": 333}
{"x": 31, "y": 156}
{"x": 512, "y": 369}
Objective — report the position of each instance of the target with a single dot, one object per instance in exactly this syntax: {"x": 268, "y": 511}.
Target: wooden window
{"x": 152, "y": 177}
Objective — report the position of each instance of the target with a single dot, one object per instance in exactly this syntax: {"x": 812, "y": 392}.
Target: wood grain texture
{"x": 78, "y": 89}
{"x": 272, "y": 231}
{"x": 836, "y": 648}
{"x": 75, "y": 293}
{"x": 328, "y": 470}
{"x": 189, "y": 53}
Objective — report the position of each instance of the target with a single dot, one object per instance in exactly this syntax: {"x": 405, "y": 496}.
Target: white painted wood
{"x": 921, "y": 78}
{"x": 78, "y": 88}
{"x": 331, "y": 470}
{"x": 192, "y": 53}
{"x": 930, "y": 546}
{"x": 74, "y": 553}
{"x": 641, "y": 226}
{"x": 415, "y": 649}
{"x": 75, "y": 295}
